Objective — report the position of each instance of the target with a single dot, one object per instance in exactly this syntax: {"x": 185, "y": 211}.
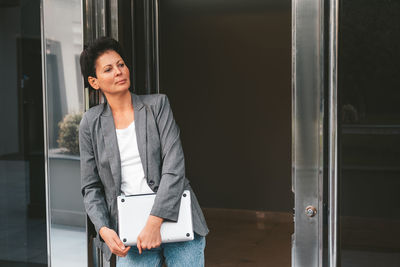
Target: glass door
{"x": 63, "y": 101}
{"x": 369, "y": 133}
{"x": 346, "y": 131}
{"x": 22, "y": 163}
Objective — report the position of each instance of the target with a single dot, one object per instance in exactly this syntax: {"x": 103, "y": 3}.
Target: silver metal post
{"x": 333, "y": 179}
{"x": 45, "y": 134}
{"x": 307, "y": 131}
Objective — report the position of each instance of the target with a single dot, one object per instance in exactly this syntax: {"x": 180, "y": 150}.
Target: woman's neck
{"x": 120, "y": 103}
{"x": 122, "y": 109}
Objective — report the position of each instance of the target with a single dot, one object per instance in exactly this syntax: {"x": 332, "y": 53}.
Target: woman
{"x": 131, "y": 145}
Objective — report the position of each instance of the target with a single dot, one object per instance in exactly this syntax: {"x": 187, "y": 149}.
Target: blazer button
{"x": 151, "y": 182}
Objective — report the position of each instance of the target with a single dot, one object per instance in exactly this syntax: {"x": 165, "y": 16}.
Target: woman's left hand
{"x": 150, "y": 236}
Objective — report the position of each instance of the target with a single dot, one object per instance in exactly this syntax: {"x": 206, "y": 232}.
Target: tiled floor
{"x": 247, "y": 241}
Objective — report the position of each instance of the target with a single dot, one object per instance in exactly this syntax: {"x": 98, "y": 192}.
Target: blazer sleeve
{"x": 91, "y": 185}
{"x": 167, "y": 201}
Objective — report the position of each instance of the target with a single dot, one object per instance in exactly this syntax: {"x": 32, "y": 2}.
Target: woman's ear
{"x": 93, "y": 82}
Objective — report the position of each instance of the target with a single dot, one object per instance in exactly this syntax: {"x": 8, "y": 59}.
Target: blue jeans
{"x": 189, "y": 253}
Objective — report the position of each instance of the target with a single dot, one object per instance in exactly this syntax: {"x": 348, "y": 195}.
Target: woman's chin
{"x": 124, "y": 87}
{"x": 117, "y": 91}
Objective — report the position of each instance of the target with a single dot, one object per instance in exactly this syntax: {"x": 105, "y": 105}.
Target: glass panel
{"x": 226, "y": 67}
{"x": 369, "y": 133}
{"x": 22, "y": 169}
{"x": 64, "y": 89}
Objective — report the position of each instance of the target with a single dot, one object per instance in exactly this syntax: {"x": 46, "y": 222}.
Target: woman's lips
{"x": 121, "y": 81}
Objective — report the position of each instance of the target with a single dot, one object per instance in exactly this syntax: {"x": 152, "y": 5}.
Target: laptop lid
{"x": 134, "y": 210}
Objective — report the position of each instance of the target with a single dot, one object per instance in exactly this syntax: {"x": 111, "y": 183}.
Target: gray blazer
{"x": 161, "y": 154}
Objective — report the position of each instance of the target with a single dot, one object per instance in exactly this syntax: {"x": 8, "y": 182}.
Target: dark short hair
{"x": 93, "y": 51}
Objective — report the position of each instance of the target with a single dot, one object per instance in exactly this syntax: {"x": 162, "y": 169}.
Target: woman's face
{"x": 112, "y": 74}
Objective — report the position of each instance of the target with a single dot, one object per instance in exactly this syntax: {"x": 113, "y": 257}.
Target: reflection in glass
{"x": 22, "y": 169}
{"x": 64, "y": 92}
{"x": 369, "y": 133}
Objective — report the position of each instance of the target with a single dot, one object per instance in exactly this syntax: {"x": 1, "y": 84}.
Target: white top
{"x": 133, "y": 181}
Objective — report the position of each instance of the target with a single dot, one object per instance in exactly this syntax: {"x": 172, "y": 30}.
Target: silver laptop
{"x": 134, "y": 210}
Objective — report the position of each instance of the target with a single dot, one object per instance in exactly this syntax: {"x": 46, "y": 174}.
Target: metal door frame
{"x": 307, "y": 130}
{"x": 333, "y": 222}
{"x": 314, "y": 132}
{"x": 310, "y": 114}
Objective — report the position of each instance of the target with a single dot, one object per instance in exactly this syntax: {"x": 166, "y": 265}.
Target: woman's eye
{"x": 121, "y": 64}
{"x": 107, "y": 70}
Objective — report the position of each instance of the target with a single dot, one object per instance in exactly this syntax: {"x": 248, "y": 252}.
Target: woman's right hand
{"x": 113, "y": 242}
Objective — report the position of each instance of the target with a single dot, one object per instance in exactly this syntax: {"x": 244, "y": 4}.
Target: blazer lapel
{"x": 111, "y": 145}
{"x": 141, "y": 129}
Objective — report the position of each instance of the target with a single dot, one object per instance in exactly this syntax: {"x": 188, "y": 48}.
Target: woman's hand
{"x": 113, "y": 242}
{"x": 150, "y": 236}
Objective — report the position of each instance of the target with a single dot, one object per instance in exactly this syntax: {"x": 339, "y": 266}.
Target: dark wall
{"x": 226, "y": 68}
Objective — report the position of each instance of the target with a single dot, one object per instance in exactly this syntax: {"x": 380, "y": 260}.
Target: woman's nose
{"x": 117, "y": 71}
